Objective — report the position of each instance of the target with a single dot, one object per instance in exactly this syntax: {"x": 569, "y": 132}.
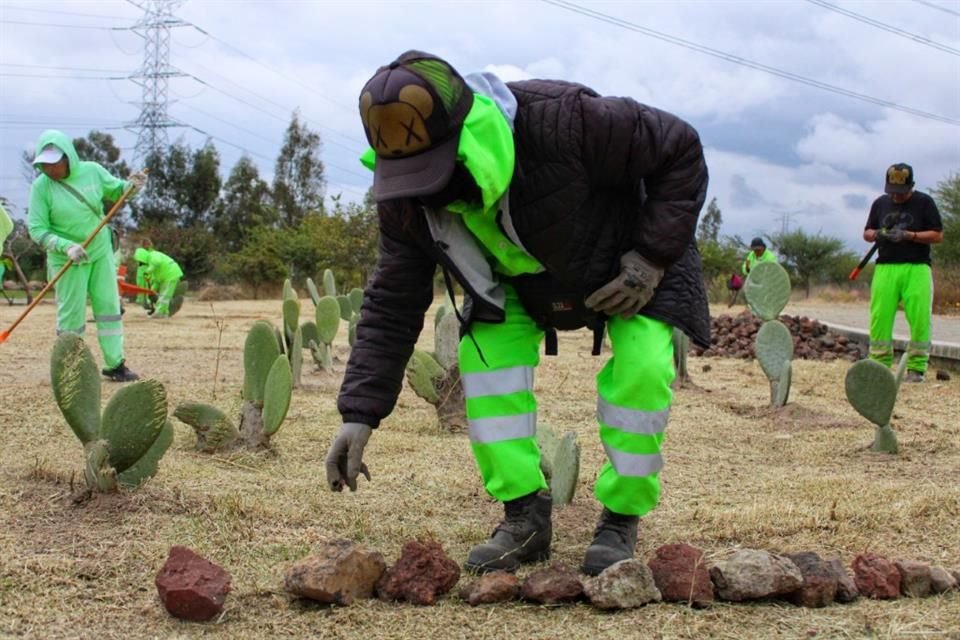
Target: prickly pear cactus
{"x": 125, "y": 444}
{"x": 329, "y": 283}
{"x": 560, "y": 462}
{"x": 312, "y": 290}
{"x": 435, "y": 377}
{"x": 327, "y": 315}
{"x": 767, "y": 291}
{"x": 267, "y": 388}
{"x": 872, "y": 390}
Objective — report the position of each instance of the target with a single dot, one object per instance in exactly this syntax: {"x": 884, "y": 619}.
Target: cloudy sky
{"x": 801, "y": 104}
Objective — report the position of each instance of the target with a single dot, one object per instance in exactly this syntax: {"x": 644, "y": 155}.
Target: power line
{"x": 63, "y": 26}
{"x": 61, "y": 75}
{"x": 933, "y": 5}
{"x": 729, "y": 57}
{"x": 885, "y": 27}
{"x": 57, "y": 12}
{"x": 40, "y": 66}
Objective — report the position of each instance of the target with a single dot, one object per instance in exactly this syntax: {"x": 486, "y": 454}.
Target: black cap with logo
{"x": 413, "y": 111}
{"x": 899, "y": 178}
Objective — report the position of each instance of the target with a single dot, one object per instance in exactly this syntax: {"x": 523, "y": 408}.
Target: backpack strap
{"x": 76, "y": 194}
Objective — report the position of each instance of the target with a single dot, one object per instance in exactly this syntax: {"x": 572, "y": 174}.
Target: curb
{"x": 942, "y": 354}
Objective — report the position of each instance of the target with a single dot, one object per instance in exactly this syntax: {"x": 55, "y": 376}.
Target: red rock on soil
{"x": 190, "y": 586}
{"x": 680, "y": 573}
{"x": 876, "y": 577}
{"x": 422, "y": 573}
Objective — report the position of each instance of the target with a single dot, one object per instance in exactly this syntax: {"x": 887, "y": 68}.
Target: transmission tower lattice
{"x": 152, "y": 124}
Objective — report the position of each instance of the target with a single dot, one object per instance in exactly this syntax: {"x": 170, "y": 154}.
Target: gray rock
{"x": 941, "y": 581}
{"x": 553, "y": 585}
{"x": 819, "y": 588}
{"x": 623, "y": 585}
{"x": 498, "y": 586}
{"x": 750, "y": 574}
{"x": 914, "y": 578}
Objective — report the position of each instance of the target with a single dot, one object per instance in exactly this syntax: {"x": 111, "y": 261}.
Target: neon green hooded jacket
{"x": 6, "y": 226}
{"x": 57, "y": 219}
{"x": 157, "y": 266}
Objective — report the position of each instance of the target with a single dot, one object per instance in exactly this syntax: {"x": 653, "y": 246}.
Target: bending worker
{"x": 160, "y": 272}
{"x": 554, "y": 208}
{"x": 66, "y": 205}
{"x": 758, "y": 253}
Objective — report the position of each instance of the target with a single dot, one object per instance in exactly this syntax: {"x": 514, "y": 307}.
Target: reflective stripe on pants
{"x": 98, "y": 280}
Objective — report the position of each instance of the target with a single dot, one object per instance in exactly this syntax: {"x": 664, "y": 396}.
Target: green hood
{"x": 141, "y": 255}
{"x": 59, "y": 140}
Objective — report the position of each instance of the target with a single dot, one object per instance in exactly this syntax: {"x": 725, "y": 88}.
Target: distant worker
{"x": 66, "y": 205}
{"x": 903, "y": 223}
{"x": 758, "y": 253}
{"x": 6, "y": 226}
{"x": 160, "y": 272}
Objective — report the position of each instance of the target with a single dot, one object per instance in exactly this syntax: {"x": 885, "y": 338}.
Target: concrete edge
{"x": 945, "y": 354}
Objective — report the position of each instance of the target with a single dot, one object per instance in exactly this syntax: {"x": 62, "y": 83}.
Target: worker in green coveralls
{"x": 66, "y": 205}
{"x": 758, "y": 253}
{"x": 903, "y": 223}
{"x": 158, "y": 271}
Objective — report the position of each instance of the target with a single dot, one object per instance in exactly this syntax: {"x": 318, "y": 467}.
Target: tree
{"x": 258, "y": 263}
{"x": 710, "y": 223}
{"x": 199, "y": 194}
{"x": 947, "y": 195}
{"x": 244, "y": 206}
{"x": 183, "y": 188}
{"x": 298, "y": 183}
{"x": 809, "y": 258}
{"x": 99, "y": 147}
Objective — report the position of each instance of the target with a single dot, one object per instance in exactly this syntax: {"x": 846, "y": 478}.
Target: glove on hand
{"x": 138, "y": 180}
{"x": 630, "y": 291}
{"x": 893, "y": 235}
{"x": 77, "y": 253}
{"x": 345, "y": 458}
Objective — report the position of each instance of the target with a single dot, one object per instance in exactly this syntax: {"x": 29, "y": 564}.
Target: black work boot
{"x": 613, "y": 541}
{"x": 120, "y": 373}
{"x": 523, "y": 536}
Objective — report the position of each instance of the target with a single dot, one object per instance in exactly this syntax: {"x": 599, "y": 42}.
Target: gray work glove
{"x": 630, "y": 291}
{"x": 345, "y": 458}
{"x": 137, "y": 180}
{"x": 893, "y": 235}
{"x": 77, "y": 253}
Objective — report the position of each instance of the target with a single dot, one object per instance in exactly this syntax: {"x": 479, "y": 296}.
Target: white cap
{"x": 50, "y": 154}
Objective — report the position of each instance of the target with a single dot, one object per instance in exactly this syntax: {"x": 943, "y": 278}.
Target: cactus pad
{"x": 329, "y": 283}
{"x": 423, "y": 373}
{"x": 885, "y": 440}
{"x": 288, "y": 291}
{"x": 447, "y": 341}
{"x": 97, "y": 470}
{"x": 277, "y": 395}
{"x": 901, "y": 370}
{"x": 76, "y": 385}
{"x": 767, "y": 290}
{"x": 309, "y": 331}
{"x": 328, "y": 319}
{"x": 872, "y": 390}
{"x": 560, "y": 462}
{"x": 774, "y": 346}
{"x": 312, "y": 290}
{"x": 132, "y": 420}
{"x": 259, "y": 352}
{"x": 146, "y": 467}
{"x": 356, "y": 299}
{"x": 214, "y": 429}
{"x": 291, "y": 318}
{"x": 782, "y": 393}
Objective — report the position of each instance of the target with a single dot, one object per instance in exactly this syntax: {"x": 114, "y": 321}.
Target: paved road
{"x": 946, "y": 329}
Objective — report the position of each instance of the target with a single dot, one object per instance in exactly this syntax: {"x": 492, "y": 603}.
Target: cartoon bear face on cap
{"x": 398, "y": 129}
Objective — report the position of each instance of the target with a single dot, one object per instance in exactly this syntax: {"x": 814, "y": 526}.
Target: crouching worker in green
{"x": 160, "y": 272}
{"x": 903, "y": 223}
{"x": 66, "y": 205}
{"x": 554, "y": 208}
{"x": 758, "y": 253}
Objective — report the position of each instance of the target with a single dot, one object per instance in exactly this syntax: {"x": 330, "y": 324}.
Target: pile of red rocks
{"x": 343, "y": 570}
{"x": 734, "y": 337}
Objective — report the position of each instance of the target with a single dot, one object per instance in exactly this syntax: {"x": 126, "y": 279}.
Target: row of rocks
{"x": 734, "y": 337}
{"x": 342, "y": 571}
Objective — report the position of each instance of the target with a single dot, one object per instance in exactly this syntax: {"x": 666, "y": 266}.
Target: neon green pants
{"x": 98, "y": 280}
{"x": 633, "y": 404}
{"x": 165, "y": 291}
{"x": 892, "y": 284}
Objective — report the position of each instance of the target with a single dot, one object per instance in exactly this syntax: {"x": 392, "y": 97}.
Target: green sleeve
{"x": 38, "y": 220}
{"x": 6, "y": 226}
{"x": 112, "y": 186}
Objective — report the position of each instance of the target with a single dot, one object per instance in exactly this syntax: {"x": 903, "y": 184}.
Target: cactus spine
{"x": 872, "y": 390}
{"x": 767, "y": 290}
{"x": 123, "y": 446}
{"x": 267, "y": 388}
{"x": 435, "y": 377}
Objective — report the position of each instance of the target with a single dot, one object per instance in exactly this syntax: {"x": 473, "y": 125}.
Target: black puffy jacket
{"x": 594, "y": 177}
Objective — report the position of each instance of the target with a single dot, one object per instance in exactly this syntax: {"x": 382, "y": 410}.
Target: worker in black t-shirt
{"x": 903, "y": 223}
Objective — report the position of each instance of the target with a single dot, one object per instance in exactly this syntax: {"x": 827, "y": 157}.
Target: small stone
{"x": 914, "y": 578}
{"x": 819, "y": 588}
{"x": 553, "y": 585}
{"x": 681, "y": 575}
{"x": 876, "y": 577}
{"x": 941, "y": 580}
{"x": 422, "y": 573}
{"x": 497, "y": 586}
{"x": 942, "y": 375}
{"x": 751, "y": 574}
{"x": 190, "y": 586}
{"x": 337, "y": 573}
{"x": 623, "y": 585}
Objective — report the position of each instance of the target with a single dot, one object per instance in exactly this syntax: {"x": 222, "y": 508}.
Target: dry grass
{"x": 737, "y": 475}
